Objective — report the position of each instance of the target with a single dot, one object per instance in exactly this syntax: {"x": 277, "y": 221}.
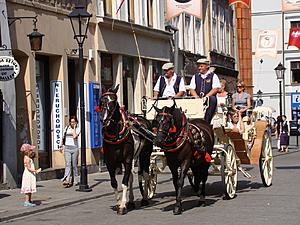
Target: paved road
{"x": 254, "y": 204}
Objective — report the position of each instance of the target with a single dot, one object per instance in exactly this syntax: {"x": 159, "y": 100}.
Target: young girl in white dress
{"x": 29, "y": 174}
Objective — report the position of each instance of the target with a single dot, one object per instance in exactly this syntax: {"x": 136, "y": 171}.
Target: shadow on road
{"x": 99, "y": 181}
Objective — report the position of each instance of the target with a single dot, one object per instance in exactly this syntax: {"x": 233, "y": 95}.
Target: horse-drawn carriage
{"x": 230, "y": 150}
{"x": 186, "y": 142}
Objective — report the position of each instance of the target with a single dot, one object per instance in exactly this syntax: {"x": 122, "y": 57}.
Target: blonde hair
{"x": 223, "y": 81}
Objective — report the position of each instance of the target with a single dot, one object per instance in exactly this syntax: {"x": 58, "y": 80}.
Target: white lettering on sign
{"x": 40, "y": 122}
{"x": 9, "y": 68}
{"x": 57, "y": 114}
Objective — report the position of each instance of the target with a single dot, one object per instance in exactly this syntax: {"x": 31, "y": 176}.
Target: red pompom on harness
{"x": 97, "y": 109}
{"x": 172, "y": 130}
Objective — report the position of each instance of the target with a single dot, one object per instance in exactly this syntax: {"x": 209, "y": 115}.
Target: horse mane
{"x": 177, "y": 114}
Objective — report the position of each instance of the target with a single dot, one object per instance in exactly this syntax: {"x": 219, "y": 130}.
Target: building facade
{"x": 125, "y": 47}
{"x": 211, "y": 36}
{"x": 271, "y": 17}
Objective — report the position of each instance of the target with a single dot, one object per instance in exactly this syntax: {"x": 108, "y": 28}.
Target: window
{"x": 295, "y": 24}
{"x": 214, "y": 34}
{"x": 107, "y": 7}
{"x": 106, "y": 71}
{"x": 222, "y": 34}
{"x": 157, "y": 71}
{"x": 227, "y": 45}
{"x": 150, "y": 13}
{"x": 198, "y": 41}
{"x": 130, "y": 10}
{"x": 295, "y": 71}
{"x": 187, "y": 32}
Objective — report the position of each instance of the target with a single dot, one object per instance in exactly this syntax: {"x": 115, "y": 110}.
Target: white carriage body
{"x": 194, "y": 108}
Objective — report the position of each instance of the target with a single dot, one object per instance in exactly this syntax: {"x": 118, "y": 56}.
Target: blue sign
{"x": 295, "y": 97}
{"x": 96, "y": 132}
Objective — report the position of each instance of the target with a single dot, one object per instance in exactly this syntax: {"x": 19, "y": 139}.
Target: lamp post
{"x": 80, "y": 19}
{"x": 279, "y": 70}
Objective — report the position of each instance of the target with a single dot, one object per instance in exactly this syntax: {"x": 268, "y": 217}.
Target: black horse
{"x": 186, "y": 145}
{"x": 122, "y": 146}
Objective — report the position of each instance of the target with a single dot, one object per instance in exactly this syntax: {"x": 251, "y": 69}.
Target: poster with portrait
{"x": 176, "y": 7}
{"x": 266, "y": 43}
{"x": 290, "y": 5}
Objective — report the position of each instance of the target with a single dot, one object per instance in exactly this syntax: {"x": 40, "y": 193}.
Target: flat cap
{"x": 168, "y": 66}
{"x": 203, "y": 61}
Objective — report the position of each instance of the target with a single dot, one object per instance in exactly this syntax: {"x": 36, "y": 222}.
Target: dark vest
{"x": 162, "y": 85}
{"x": 203, "y": 85}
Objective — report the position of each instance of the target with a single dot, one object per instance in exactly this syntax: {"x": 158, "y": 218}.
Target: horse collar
{"x": 122, "y": 135}
{"x": 180, "y": 139}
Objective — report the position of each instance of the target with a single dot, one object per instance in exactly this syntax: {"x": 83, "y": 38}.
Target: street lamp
{"x": 279, "y": 70}
{"x": 80, "y": 19}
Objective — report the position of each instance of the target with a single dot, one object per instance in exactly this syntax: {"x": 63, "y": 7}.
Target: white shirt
{"x": 70, "y": 141}
{"x": 169, "y": 90}
{"x": 215, "y": 80}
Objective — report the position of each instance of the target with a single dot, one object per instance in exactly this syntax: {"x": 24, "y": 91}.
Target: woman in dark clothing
{"x": 284, "y": 134}
{"x": 277, "y": 131}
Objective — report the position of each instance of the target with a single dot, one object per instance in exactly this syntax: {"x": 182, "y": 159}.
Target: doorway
{"x": 73, "y": 87}
{"x": 43, "y": 111}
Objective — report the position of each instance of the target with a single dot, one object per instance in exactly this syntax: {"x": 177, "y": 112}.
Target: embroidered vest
{"x": 162, "y": 85}
{"x": 203, "y": 85}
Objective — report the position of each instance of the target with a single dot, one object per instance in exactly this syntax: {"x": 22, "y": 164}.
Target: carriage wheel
{"x": 266, "y": 161}
{"x": 229, "y": 172}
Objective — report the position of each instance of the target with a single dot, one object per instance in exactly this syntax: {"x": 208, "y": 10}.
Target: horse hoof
{"x": 130, "y": 205}
{"x": 122, "y": 211}
{"x": 201, "y": 198}
{"x": 177, "y": 210}
{"x": 144, "y": 202}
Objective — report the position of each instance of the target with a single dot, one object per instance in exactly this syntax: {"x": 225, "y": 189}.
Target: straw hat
{"x": 168, "y": 66}
{"x": 26, "y": 147}
{"x": 203, "y": 61}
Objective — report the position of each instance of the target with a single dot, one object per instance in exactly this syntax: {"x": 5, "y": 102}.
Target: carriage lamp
{"x": 279, "y": 70}
{"x": 80, "y": 19}
{"x": 259, "y": 98}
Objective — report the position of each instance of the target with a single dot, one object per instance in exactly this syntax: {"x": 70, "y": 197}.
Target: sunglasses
{"x": 240, "y": 86}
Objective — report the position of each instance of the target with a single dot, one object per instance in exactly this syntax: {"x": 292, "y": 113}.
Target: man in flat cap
{"x": 170, "y": 84}
{"x": 206, "y": 84}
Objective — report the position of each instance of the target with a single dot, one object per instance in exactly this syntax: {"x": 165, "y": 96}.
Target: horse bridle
{"x": 164, "y": 114}
{"x": 106, "y": 107}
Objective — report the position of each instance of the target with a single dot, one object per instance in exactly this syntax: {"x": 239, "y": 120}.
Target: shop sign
{"x": 9, "y": 68}
{"x": 57, "y": 113}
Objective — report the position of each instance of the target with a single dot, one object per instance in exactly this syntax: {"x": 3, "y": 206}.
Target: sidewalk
{"x": 51, "y": 194}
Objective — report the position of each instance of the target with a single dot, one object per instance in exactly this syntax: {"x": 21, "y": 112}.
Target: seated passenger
{"x": 236, "y": 124}
{"x": 241, "y": 100}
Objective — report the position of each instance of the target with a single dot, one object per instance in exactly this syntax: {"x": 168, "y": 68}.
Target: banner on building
{"x": 266, "y": 43}
{"x": 245, "y": 2}
{"x": 175, "y": 7}
{"x": 290, "y": 5}
{"x": 57, "y": 114}
{"x": 294, "y": 37}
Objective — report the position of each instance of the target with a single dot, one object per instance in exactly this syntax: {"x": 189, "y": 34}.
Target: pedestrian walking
{"x": 69, "y": 145}
{"x": 284, "y": 135}
{"x": 29, "y": 175}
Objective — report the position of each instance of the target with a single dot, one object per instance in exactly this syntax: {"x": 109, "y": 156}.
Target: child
{"x": 29, "y": 174}
{"x": 236, "y": 122}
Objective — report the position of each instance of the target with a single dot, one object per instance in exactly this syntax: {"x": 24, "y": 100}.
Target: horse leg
{"x": 183, "y": 171}
{"x": 128, "y": 166}
{"x": 114, "y": 184}
{"x": 130, "y": 204}
{"x": 204, "y": 175}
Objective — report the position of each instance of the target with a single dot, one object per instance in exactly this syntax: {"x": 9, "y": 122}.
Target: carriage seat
{"x": 239, "y": 146}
